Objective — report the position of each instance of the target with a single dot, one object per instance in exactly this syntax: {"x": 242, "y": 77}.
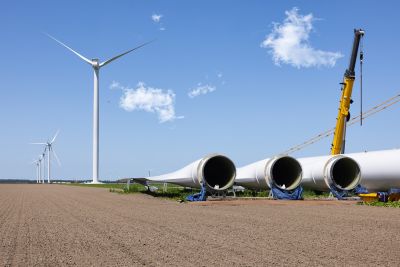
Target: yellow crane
{"x": 338, "y": 143}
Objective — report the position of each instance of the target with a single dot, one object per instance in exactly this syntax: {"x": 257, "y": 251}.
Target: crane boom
{"x": 338, "y": 144}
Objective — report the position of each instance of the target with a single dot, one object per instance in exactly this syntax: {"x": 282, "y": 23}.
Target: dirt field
{"x": 52, "y": 225}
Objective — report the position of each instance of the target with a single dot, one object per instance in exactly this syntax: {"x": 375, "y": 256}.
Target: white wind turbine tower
{"x": 42, "y": 163}
{"x": 96, "y": 65}
{"x": 40, "y": 168}
{"x": 36, "y": 162}
{"x": 49, "y": 149}
{"x": 37, "y": 171}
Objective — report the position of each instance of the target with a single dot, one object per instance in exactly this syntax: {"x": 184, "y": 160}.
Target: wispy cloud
{"x": 156, "y": 18}
{"x": 201, "y": 90}
{"x": 289, "y": 43}
{"x": 115, "y": 85}
{"x": 148, "y": 99}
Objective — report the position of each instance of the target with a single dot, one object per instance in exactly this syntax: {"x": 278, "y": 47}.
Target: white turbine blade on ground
{"x": 120, "y": 55}
{"x": 55, "y": 155}
{"x": 70, "y": 49}
{"x": 55, "y": 136}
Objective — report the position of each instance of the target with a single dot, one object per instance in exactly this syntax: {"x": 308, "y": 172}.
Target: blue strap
{"x": 295, "y": 194}
{"x": 202, "y": 196}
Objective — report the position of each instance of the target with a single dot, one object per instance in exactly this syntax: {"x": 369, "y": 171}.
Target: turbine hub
{"x": 95, "y": 63}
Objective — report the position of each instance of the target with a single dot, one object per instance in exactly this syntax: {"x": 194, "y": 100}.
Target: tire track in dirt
{"x": 152, "y": 229}
{"x": 50, "y": 234}
{"x": 6, "y": 209}
{"x": 105, "y": 243}
{"x": 203, "y": 238}
{"x": 14, "y": 230}
{"x": 35, "y": 223}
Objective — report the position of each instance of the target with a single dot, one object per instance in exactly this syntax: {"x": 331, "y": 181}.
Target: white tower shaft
{"x": 44, "y": 168}
{"x": 95, "y": 173}
{"x": 40, "y": 171}
{"x": 48, "y": 165}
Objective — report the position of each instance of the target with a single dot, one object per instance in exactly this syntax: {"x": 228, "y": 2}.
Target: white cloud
{"x": 156, "y": 18}
{"x": 201, "y": 90}
{"x": 219, "y": 75}
{"x": 149, "y": 99}
{"x": 288, "y": 43}
{"x": 115, "y": 85}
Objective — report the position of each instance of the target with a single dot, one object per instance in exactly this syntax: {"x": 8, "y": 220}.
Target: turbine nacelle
{"x": 96, "y": 63}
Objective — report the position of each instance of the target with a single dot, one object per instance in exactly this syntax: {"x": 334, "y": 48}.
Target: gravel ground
{"x": 53, "y": 225}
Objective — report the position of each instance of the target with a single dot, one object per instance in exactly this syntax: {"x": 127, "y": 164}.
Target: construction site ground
{"x": 58, "y": 225}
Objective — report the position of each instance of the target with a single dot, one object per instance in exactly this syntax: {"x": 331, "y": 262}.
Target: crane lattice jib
{"x": 372, "y": 111}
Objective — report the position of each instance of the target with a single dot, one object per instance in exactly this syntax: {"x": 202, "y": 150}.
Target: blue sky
{"x": 208, "y": 84}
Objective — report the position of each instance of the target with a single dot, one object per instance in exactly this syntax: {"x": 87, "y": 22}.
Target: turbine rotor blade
{"x": 55, "y": 136}
{"x": 38, "y": 143}
{"x": 55, "y": 155}
{"x": 123, "y": 54}
{"x": 70, "y": 49}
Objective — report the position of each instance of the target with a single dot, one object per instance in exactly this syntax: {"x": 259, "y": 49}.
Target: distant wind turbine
{"x": 43, "y": 158}
{"x": 96, "y": 65}
{"x": 36, "y": 162}
{"x": 37, "y": 171}
{"x": 41, "y": 180}
{"x": 49, "y": 148}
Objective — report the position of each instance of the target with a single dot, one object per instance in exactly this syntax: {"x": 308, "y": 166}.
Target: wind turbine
{"x": 36, "y": 162}
{"x": 49, "y": 149}
{"x": 37, "y": 171}
{"x": 96, "y": 65}
{"x": 43, "y": 158}
{"x": 40, "y": 168}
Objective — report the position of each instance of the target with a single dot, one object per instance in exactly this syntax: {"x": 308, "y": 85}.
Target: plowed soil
{"x": 57, "y": 225}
